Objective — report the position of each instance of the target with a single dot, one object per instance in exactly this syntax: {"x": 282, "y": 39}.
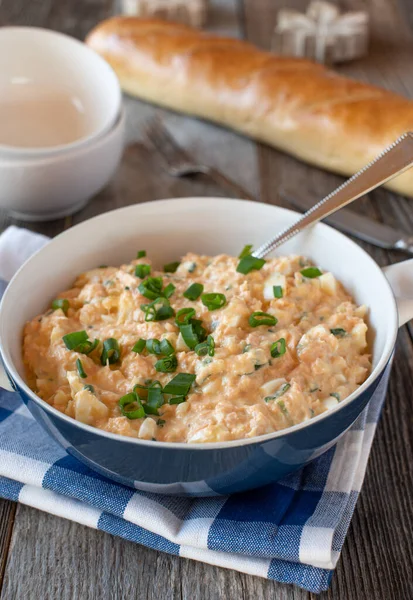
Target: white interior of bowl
{"x": 168, "y": 229}
{"x": 54, "y": 91}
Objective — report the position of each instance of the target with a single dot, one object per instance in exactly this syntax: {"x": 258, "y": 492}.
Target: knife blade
{"x": 351, "y": 222}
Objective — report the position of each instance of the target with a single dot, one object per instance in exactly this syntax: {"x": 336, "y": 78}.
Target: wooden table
{"x": 44, "y": 557}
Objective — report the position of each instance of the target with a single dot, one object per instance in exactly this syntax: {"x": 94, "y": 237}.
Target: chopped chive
{"x": 177, "y": 400}
{"x": 283, "y": 408}
{"x": 110, "y": 352}
{"x": 158, "y": 310}
{"x": 280, "y": 392}
{"x": 199, "y": 329}
{"x": 336, "y": 396}
{"x": 339, "y": 332}
{"x": 167, "y": 364}
{"x": 167, "y": 348}
{"x": 171, "y": 267}
{"x": 189, "y": 336}
{"x": 80, "y": 369}
{"x": 131, "y": 407}
{"x": 141, "y": 254}
{"x": 61, "y": 303}
{"x": 169, "y": 290}
{"x": 246, "y": 251}
{"x": 194, "y": 291}
{"x": 153, "y": 346}
{"x": 213, "y": 301}
{"x": 139, "y": 347}
{"x": 250, "y": 263}
{"x": 184, "y": 315}
{"x": 278, "y": 348}
{"x": 311, "y": 272}
{"x": 151, "y": 287}
{"x": 142, "y": 271}
{"x": 180, "y": 384}
{"x": 207, "y": 347}
{"x": 277, "y": 291}
{"x": 160, "y": 422}
{"x": 89, "y": 387}
{"x": 154, "y": 400}
{"x": 261, "y": 318}
{"x": 78, "y": 342}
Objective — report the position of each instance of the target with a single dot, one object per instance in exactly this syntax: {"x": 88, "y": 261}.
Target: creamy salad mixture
{"x": 207, "y": 350}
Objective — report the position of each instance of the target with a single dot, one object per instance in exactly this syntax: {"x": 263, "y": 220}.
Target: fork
{"x": 179, "y": 164}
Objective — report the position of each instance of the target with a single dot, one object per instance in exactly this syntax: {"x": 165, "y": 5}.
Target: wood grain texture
{"x": 54, "y": 559}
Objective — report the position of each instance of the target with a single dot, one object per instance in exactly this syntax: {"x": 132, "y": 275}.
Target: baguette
{"x": 293, "y": 104}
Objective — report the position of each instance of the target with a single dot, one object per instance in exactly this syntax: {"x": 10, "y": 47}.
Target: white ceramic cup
{"x": 49, "y": 187}
{"x": 55, "y": 93}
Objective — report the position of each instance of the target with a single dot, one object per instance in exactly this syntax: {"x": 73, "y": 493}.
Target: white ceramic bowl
{"x": 55, "y": 93}
{"x": 48, "y": 187}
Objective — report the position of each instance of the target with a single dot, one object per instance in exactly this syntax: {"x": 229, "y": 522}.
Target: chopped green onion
{"x": 280, "y": 392}
{"x": 199, "y": 330}
{"x": 142, "y": 271}
{"x": 336, "y": 396}
{"x": 246, "y": 251}
{"x": 154, "y": 400}
{"x": 169, "y": 290}
{"x": 278, "y": 348}
{"x": 139, "y": 347}
{"x": 207, "y": 347}
{"x": 61, "y": 303}
{"x": 141, "y": 254}
{"x": 167, "y": 364}
{"x": 131, "y": 407}
{"x": 180, "y": 384}
{"x": 80, "y": 369}
{"x": 194, "y": 291}
{"x": 339, "y": 332}
{"x": 153, "y": 346}
{"x": 171, "y": 267}
{"x": 213, "y": 301}
{"x": 184, "y": 315}
{"x": 141, "y": 391}
{"x": 158, "y": 310}
{"x": 160, "y": 422}
{"x": 261, "y": 318}
{"x": 283, "y": 408}
{"x": 278, "y": 291}
{"x": 167, "y": 348}
{"x": 311, "y": 272}
{"x": 78, "y": 342}
{"x": 110, "y": 352}
{"x": 89, "y": 387}
{"x": 189, "y": 336}
{"x": 177, "y": 400}
{"x": 250, "y": 263}
{"x": 192, "y": 267}
{"x": 151, "y": 288}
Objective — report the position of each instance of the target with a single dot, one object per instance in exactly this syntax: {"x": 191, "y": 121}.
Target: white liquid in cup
{"x": 39, "y": 116}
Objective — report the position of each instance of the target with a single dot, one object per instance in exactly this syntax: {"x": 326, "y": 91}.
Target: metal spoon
{"x": 395, "y": 159}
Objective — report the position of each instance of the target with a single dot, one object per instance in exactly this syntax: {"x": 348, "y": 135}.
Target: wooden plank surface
{"x": 51, "y": 558}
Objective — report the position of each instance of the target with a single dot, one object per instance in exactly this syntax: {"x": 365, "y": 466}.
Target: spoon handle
{"x": 395, "y": 159}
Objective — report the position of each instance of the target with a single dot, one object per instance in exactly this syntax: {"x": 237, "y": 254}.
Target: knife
{"x": 350, "y": 222}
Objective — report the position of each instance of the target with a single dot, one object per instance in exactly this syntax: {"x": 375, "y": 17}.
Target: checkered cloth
{"x": 291, "y": 531}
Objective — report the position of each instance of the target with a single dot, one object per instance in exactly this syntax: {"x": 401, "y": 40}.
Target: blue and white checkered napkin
{"x": 291, "y": 531}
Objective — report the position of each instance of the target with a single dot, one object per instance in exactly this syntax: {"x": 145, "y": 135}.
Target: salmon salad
{"x": 207, "y": 349}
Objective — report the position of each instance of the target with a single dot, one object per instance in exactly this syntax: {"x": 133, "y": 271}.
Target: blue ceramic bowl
{"x": 210, "y": 226}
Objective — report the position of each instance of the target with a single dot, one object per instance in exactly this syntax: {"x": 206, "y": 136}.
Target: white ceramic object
{"x": 52, "y": 186}
{"x": 167, "y": 230}
{"x": 55, "y": 93}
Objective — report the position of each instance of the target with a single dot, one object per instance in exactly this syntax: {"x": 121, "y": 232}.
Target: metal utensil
{"x": 179, "y": 164}
{"x": 353, "y": 223}
{"x": 391, "y": 162}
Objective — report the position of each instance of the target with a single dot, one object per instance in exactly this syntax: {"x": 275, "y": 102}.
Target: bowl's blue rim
{"x": 378, "y": 370}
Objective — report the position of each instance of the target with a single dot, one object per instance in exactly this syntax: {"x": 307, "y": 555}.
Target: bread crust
{"x": 293, "y": 104}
